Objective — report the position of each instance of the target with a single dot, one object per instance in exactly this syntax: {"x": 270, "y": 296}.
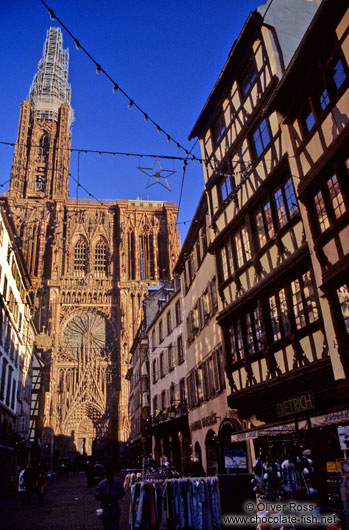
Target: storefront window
{"x": 211, "y": 453}
{"x": 309, "y": 464}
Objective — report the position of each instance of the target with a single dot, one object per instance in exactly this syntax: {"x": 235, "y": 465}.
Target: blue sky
{"x": 165, "y": 54}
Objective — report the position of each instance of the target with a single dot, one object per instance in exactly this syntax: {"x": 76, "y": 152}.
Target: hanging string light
{"x": 99, "y": 69}
{"x": 102, "y": 152}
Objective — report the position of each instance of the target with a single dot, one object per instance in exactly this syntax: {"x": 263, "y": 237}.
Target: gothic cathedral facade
{"x": 90, "y": 263}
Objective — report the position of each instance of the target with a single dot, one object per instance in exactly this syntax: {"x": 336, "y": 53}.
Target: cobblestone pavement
{"x": 69, "y": 505}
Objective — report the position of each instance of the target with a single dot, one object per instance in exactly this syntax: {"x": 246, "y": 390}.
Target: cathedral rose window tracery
{"x": 88, "y": 332}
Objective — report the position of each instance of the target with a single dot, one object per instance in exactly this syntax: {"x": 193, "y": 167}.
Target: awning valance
{"x": 275, "y": 430}
{"x": 263, "y": 431}
{"x": 330, "y": 418}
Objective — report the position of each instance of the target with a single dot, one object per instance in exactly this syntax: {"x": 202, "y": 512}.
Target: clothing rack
{"x": 160, "y": 476}
{"x": 175, "y": 503}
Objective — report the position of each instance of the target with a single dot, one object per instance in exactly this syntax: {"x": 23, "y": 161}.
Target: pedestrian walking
{"x": 89, "y": 473}
{"x": 29, "y": 477}
{"x": 109, "y": 492}
{"x": 41, "y": 483}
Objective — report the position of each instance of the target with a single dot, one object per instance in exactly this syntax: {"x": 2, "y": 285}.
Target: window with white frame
{"x": 178, "y": 312}
{"x": 242, "y": 246}
{"x": 162, "y": 364}
{"x": 261, "y": 137}
{"x": 154, "y": 369}
{"x": 170, "y": 357}
{"x": 180, "y": 352}
{"x": 161, "y": 333}
{"x": 285, "y": 202}
{"x": 330, "y": 201}
{"x": 169, "y": 322}
{"x": 225, "y": 188}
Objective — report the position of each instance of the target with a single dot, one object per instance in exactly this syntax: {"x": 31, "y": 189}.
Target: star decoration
{"x": 156, "y": 171}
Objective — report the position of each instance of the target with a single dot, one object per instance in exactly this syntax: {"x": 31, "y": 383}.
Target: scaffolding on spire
{"x": 50, "y": 88}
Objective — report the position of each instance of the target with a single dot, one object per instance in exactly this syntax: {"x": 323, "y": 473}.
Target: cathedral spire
{"x": 41, "y": 158}
{"x": 50, "y": 88}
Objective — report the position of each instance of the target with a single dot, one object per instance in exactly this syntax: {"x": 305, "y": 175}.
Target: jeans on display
{"x": 216, "y": 512}
{"x": 175, "y": 504}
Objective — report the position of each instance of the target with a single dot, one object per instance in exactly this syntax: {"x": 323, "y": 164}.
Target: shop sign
{"x": 244, "y": 436}
{"x": 196, "y": 425}
{"x": 209, "y": 420}
{"x": 328, "y": 419}
{"x": 295, "y": 404}
{"x": 278, "y": 429}
{"x": 204, "y": 422}
{"x": 333, "y": 467}
{"x": 235, "y": 458}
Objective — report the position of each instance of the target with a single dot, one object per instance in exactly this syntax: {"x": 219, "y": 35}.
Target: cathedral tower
{"x": 41, "y": 160}
{"x": 90, "y": 265}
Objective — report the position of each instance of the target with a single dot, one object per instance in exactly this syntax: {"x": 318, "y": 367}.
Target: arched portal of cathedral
{"x": 82, "y": 401}
{"x": 85, "y": 437}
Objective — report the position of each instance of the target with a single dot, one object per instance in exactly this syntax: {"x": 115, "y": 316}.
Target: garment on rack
{"x": 175, "y": 504}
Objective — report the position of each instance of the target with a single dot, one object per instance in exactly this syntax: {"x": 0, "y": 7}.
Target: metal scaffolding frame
{"x": 50, "y": 88}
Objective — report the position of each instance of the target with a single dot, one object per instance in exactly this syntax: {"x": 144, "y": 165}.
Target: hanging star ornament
{"x": 156, "y": 172}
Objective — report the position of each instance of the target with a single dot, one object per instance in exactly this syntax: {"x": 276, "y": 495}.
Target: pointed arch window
{"x": 80, "y": 255}
{"x": 131, "y": 255}
{"x": 163, "y": 258}
{"x": 44, "y": 145}
{"x": 101, "y": 257}
{"x": 146, "y": 244}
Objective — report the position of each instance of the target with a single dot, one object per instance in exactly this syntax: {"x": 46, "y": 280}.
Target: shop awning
{"x": 317, "y": 421}
{"x": 330, "y": 419}
{"x": 275, "y": 430}
{"x": 6, "y": 447}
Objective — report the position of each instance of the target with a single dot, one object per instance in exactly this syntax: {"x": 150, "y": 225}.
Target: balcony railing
{"x": 175, "y": 410}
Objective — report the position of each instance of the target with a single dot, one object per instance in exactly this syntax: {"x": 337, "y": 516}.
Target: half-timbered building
{"x": 276, "y": 184}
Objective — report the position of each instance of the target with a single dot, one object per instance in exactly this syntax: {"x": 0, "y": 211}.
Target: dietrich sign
{"x": 295, "y": 404}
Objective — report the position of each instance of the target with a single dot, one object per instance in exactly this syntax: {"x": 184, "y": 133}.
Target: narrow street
{"x": 69, "y": 504}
